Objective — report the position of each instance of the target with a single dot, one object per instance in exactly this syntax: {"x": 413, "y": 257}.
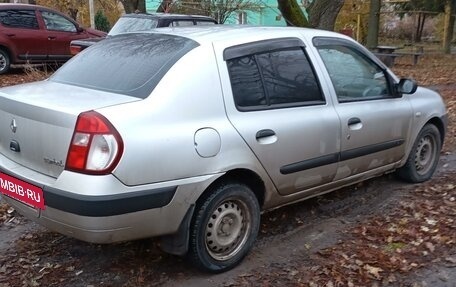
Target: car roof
{"x": 22, "y": 6}
{"x": 241, "y": 33}
{"x": 167, "y": 15}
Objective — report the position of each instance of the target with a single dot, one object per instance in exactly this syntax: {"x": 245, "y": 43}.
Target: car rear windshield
{"x": 130, "y": 64}
{"x": 132, "y": 24}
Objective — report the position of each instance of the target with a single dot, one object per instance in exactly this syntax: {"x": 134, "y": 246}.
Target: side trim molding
{"x": 340, "y": 156}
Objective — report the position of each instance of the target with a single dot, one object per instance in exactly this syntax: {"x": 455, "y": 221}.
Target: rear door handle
{"x": 264, "y": 133}
{"x": 51, "y": 38}
{"x": 353, "y": 121}
{"x": 10, "y": 35}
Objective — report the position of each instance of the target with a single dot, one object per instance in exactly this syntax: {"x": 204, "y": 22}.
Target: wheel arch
{"x": 436, "y": 121}
{"x": 240, "y": 175}
{"x": 178, "y": 242}
{"x": 7, "y": 50}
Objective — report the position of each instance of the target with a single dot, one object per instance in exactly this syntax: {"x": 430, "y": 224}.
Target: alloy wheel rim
{"x": 2, "y": 62}
{"x": 227, "y": 229}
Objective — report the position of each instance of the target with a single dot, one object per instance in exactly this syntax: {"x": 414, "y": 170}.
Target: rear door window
{"x": 19, "y": 19}
{"x": 279, "y": 78}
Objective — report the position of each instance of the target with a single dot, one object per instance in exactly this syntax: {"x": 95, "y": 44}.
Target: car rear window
{"x": 130, "y": 64}
{"x": 132, "y": 24}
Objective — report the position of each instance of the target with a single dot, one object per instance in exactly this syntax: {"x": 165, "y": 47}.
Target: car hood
{"x": 40, "y": 117}
{"x": 96, "y": 33}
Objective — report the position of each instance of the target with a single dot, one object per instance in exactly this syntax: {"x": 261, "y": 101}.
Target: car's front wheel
{"x": 424, "y": 156}
{"x": 224, "y": 227}
{"x": 4, "y": 61}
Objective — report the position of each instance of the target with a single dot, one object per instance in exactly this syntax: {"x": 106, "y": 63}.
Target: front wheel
{"x": 4, "y": 61}
{"x": 424, "y": 156}
{"x": 224, "y": 227}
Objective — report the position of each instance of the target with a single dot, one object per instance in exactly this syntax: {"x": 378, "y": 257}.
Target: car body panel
{"x": 188, "y": 135}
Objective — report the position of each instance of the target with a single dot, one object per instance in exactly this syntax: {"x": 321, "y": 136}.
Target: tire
{"x": 424, "y": 156}
{"x": 4, "y": 62}
{"x": 224, "y": 228}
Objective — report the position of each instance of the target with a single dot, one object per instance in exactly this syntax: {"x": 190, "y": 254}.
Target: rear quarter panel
{"x": 159, "y": 132}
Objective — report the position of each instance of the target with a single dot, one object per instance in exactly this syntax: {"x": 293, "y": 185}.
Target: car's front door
{"x": 22, "y": 34}
{"x": 276, "y": 103}
{"x": 375, "y": 121}
{"x": 60, "y": 32}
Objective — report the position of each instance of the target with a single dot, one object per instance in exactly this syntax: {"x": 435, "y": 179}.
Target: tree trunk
{"x": 164, "y": 6}
{"x": 420, "y": 27}
{"x": 73, "y": 12}
{"x": 134, "y": 6}
{"x": 373, "y": 24}
{"x": 323, "y": 13}
{"x": 292, "y": 13}
{"x": 450, "y": 7}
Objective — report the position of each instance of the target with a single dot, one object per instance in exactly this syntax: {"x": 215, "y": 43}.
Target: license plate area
{"x": 22, "y": 191}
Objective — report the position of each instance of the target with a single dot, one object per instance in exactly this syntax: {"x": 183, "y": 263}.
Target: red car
{"x": 36, "y": 34}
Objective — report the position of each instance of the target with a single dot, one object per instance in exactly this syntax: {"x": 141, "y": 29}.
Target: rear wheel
{"x": 4, "y": 61}
{"x": 424, "y": 156}
{"x": 224, "y": 228}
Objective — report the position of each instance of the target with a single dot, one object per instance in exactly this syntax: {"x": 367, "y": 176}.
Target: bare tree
{"x": 373, "y": 24}
{"x": 450, "y": 7}
{"x": 133, "y": 6}
{"x": 322, "y": 13}
{"x": 220, "y": 10}
{"x": 292, "y": 13}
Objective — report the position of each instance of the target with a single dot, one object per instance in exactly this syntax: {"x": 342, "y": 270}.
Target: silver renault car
{"x": 189, "y": 134}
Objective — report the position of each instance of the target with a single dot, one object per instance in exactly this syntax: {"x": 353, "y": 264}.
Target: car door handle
{"x": 10, "y": 35}
{"x": 51, "y": 38}
{"x": 354, "y": 121}
{"x": 264, "y": 133}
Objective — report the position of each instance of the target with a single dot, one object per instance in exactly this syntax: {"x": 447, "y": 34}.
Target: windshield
{"x": 129, "y": 64}
{"x": 132, "y": 24}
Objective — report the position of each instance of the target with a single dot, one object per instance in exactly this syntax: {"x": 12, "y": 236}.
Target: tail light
{"x": 74, "y": 50}
{"x": 96, "y": 146}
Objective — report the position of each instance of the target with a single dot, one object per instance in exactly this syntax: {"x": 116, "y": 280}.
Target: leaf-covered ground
{"x": 376, "y": 234}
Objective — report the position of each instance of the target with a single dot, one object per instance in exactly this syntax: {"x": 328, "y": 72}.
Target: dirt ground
{"x": 382, "y": 232}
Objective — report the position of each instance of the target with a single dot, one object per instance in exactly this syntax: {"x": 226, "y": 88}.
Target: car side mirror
{"x": 79, "y": 29}
{"x": 406, "y": 86}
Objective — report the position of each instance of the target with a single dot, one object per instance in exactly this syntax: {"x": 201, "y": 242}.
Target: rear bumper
{"x": 100, "y": 209}
{"x": 108, "y": 205}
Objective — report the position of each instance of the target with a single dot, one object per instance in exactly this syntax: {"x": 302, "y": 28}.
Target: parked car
{"x": 36, "y": 34}
{"x": 140, "y": 22}
{"x": 190, "y": 133}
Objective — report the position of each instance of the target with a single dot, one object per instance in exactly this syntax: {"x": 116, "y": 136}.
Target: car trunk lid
{"x": 37, "y": 121}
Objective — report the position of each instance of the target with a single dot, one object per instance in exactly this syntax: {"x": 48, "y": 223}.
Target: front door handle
{"x": 354, "y": 121}
{"x": 51, "y": 38}
{"x": 264, "y": 133}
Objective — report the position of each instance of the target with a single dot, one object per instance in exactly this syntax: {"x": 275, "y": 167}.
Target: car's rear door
{"x": 275, "y": 101}
{"x": 21, "y": 33}
{"x": 375, "y": 120}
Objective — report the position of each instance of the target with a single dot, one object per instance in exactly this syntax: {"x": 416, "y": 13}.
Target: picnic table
{"x": 387, "y": 54}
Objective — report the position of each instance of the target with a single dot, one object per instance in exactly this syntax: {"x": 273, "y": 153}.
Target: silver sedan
{"x": 188, "y": 134}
